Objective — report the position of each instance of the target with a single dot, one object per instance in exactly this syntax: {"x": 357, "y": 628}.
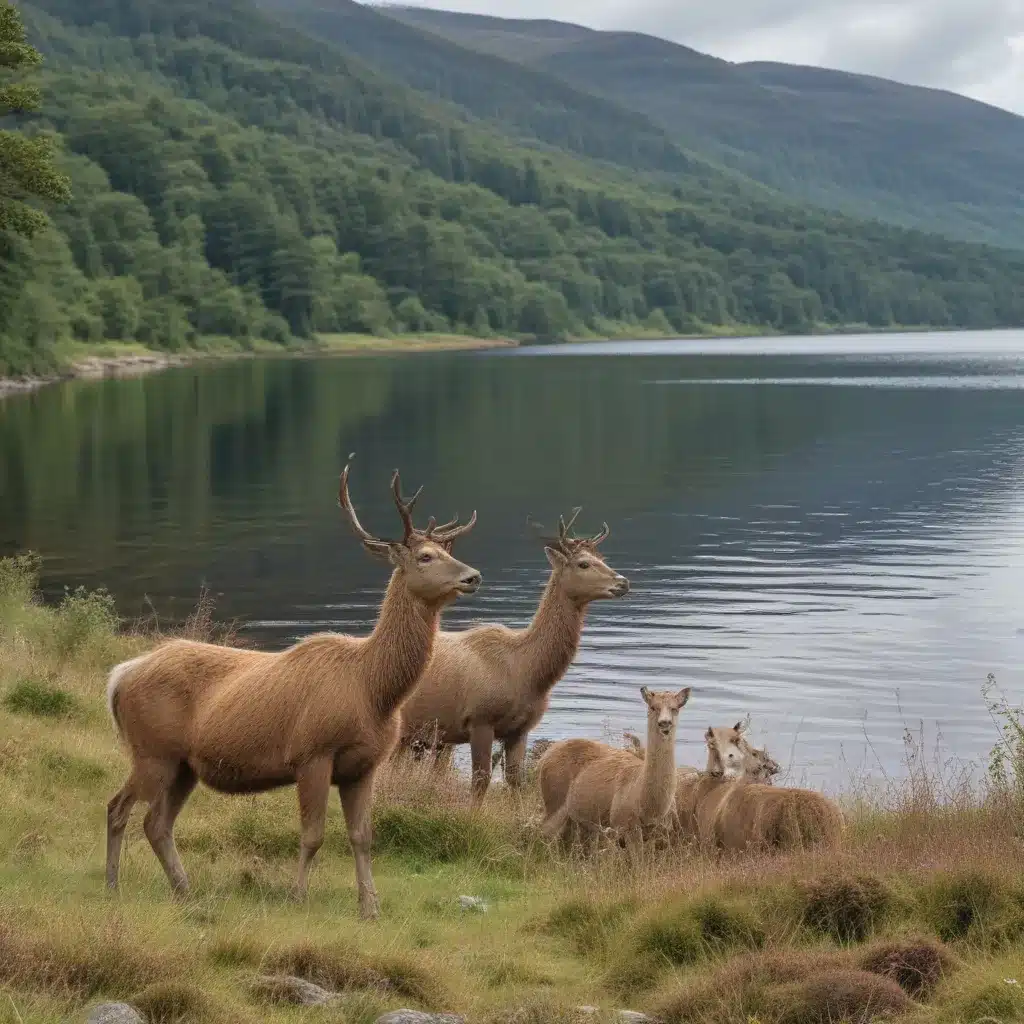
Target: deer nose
{"x": 621, "y": 585}
{"x": 471, "y": 581}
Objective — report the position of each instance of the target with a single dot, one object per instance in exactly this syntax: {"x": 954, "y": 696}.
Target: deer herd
{"x": 329, "y": 710}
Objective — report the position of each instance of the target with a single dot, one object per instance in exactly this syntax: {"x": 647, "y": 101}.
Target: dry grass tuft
{"x": 340, "y": 968}
{"x": 855, "y": 997}
{"x": 175, "y": 1002}
{"x": 92, "y": 962}
{"x": 846, "y": 909}
{"x": 917, "y": 965}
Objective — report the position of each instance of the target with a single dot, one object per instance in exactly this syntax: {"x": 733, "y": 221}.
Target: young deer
{"x": 730, "y": 813}
{"x": 615, "y": 788}
{"x": 494, "y": 682}
{"x": 325, "y": 711}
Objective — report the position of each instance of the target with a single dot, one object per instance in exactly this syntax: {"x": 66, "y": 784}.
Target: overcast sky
{"x": 971, "y": 46}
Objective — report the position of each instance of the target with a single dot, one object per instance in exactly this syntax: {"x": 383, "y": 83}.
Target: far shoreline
{"x": 116, "y": 360}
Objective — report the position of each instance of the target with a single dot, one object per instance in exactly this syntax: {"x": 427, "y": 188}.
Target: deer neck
{"x": 549, "y": 644}
{"x": 398, "y": 649}
{"x": 658, "y": 781}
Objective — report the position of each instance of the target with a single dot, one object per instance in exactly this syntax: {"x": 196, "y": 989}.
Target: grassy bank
{"x": 920, "y": 914}
{"x": 114, "y": 359}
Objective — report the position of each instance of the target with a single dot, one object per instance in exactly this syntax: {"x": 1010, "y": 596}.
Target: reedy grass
{"x": 919, "y": 913}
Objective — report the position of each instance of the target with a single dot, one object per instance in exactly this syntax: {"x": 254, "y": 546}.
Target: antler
{"x": 563, "y": 541}
{"x": 447, "y": 533}
{"x": 404, "y": 507}
{"x": 346, "y": 503}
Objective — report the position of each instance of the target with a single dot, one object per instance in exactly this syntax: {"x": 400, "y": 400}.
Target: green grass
{"x": 921, "y": 912}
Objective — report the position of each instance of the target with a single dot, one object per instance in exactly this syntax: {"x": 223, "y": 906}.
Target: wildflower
{"x": 1011, "y": 981}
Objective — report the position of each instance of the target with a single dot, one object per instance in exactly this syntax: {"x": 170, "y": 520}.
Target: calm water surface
{"x": 827, "y": 534}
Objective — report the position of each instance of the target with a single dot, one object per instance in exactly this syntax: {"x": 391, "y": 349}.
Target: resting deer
{"x": 494, "y": 682}
{"x": 727, "y": 812}
{"x": 615, "y": 788}
{"x": 325, "y": 711}
{"x": 559, "y": 768}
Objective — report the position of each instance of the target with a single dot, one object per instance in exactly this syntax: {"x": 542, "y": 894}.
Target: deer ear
{"x": 710, "y": 734}
{"x": 555, "y": 558}
{"x": 646, "y": 694}
{"x": 738, "y": 728}
{"x": 380, "y": 549}
{"x": 681, "y": 698}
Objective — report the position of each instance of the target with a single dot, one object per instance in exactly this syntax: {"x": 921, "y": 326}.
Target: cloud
{"x": 971, "y": 46}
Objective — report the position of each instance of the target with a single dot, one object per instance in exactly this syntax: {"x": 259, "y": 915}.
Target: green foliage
{"x": 691, "y": 930}
{"x": 86, "y": 624}
{"x": 587, "y": 926}
{"x": 32, "y": 697}
{"x": 27, "y": 169}
{"x": 1006, "y": 761}
{"x": 233, "y": 177}
{"x": 874, "y": 148}
{"x": 440, "y": 836}
{"x": 966, "y": 905}
{"x": 19, "y": 577}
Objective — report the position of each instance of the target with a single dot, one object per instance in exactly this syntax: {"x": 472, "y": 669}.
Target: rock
{"x": 473, "y": 903}
{"x": 633, "y": 1017}
{"x": 418, "y": 1017}
{"x": 286, "y": 988}
{"x": 114, "y": 1013}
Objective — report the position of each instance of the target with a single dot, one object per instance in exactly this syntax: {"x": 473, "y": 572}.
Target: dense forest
{"x": 917, "y": 157}
{"x": 232, "y": 176}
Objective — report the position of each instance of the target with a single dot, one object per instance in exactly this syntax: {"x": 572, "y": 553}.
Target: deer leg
{"x": 313, "y": 783}
{"x": 159, "y": 825}
{"x": 515, "y": 761}
{"x": 119, "y": 810}
{"x": 481, "y": 740}
{"x": 356, "y": 800}
{"x": 557, "y": 823}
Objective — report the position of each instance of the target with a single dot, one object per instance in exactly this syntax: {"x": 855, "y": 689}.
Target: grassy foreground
{"x": 920, "y": 915}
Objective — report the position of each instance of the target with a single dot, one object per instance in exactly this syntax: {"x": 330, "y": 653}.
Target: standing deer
{"x": 494, "y": 682}
{"x": 325, "y": 711}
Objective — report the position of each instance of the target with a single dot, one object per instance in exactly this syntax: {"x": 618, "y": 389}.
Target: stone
{"x": 473, "y": 903}
{"x": 418, "y": 1017}
{"x": 633, "y": 1017}
{"x": 286, "y": 988}
{"x": 114, "y": 1013}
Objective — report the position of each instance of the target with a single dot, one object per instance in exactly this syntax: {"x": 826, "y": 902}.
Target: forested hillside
{"x": 871, "y": 147}
{"x": 233, "y": 176}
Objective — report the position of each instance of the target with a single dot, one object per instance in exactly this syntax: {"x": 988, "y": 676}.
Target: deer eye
{"x": 425, "y": 557}
{"x": 583, "y": 565}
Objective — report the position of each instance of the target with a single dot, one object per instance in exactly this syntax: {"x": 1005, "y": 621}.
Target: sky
{"x": 975, "y": 47}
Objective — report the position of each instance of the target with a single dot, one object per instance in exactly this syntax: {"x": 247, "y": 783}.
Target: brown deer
{"x": 565, "y": 760}
{"x": 325, "y": 711}
{"x": 492, "y": 682}
{"x": 727, "y": 812}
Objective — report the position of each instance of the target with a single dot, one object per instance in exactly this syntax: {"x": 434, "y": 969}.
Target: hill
{"x": 233, "y": 176}
{"x": 870, "y": 147}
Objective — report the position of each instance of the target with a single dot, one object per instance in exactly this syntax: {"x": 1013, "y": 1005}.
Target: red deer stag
{"x": 492, "y": 682}
{"x": 325, "y": 711}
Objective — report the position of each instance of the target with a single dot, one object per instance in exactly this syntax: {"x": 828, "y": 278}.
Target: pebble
{"x": 114, "y": 1013}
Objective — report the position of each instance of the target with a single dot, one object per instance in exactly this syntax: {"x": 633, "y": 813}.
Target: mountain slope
{"x": 233, "y": 176}
{"x": 533, "y": 103}
{"x": 913, "y": 156}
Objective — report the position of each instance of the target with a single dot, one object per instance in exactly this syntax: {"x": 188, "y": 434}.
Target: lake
{"x": 824, "y": 533}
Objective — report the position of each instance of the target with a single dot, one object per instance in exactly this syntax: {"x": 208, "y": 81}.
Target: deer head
{"x": 731, "y": 756}
{"x": 663, "y": 707}
{"x": 422, "y": 556}
{"x": 579, "y": 569}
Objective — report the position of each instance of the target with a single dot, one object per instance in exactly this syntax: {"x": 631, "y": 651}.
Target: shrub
{"x": 962, "y": 905}
{"x": 695, "y": 929}
{"x": 441, "y": 836}
{"x": 32, "y": 697}
{"x": 19, "y": 577}
{"x": 846, "y": 909}
{"x": 86, "y": 622}
{"x": 916, "y": 965}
